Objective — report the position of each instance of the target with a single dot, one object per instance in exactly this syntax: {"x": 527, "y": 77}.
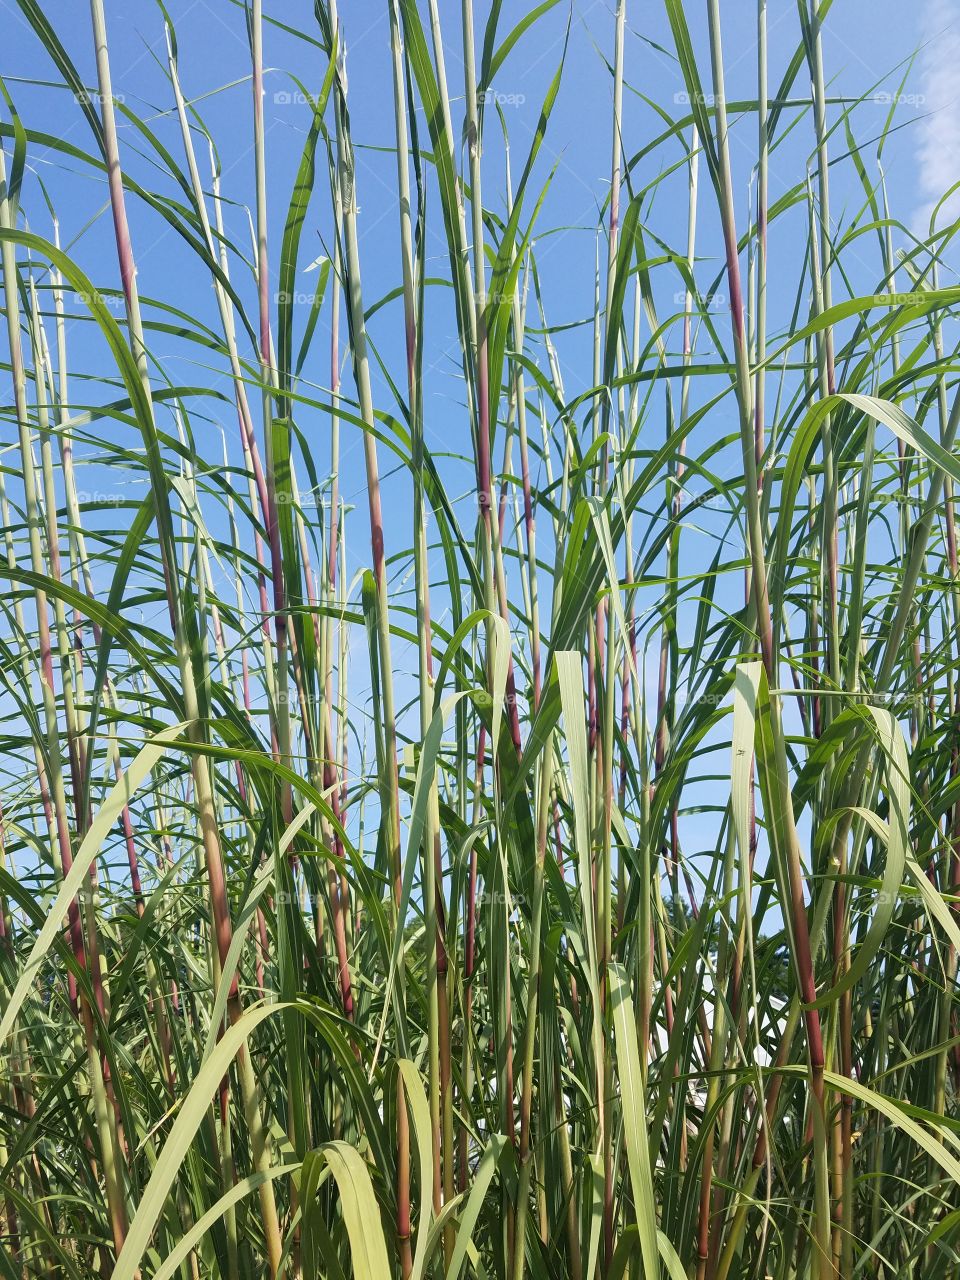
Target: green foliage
{"x": 614, "y": 934}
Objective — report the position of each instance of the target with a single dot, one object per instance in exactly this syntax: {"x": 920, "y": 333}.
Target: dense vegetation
{"x": 572, "y": 891}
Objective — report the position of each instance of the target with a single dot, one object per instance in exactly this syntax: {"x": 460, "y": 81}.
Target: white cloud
{"x": 938, "y": 149}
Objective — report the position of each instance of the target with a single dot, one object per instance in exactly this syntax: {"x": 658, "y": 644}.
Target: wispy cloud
{"x": 938, "y": 150}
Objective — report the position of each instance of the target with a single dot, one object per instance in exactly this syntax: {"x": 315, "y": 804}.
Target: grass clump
{"x": 558, "y": 883}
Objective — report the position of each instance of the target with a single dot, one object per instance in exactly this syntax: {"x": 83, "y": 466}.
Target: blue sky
{"x": 865, "y": 43}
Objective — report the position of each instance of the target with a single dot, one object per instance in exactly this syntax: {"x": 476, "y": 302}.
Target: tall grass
{"x": 549, "y": 896}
